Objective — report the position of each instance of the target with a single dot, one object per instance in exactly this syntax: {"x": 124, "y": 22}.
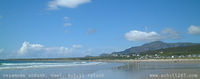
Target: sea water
{"x": 12, "y": 65}
{"x": 53, "y": 69}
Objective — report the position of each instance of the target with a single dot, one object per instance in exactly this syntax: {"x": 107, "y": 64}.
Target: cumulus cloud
{"x": 140, "y": 36}
{"x": 37, "y": 50}
{"x": 135, "y": 35}
{"x": 195, "y": 30}
{"x": 26, "y": 47}
{"x": 55, "y": 4}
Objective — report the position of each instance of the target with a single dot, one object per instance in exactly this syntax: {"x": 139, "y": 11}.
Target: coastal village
{"x": 154, "y": 56}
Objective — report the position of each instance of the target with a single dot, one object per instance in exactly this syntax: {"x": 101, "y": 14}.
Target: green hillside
{"x": 187, "y": 50}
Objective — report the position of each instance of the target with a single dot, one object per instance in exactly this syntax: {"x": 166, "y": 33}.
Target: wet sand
{"x": 152, "y": 60}
{"x": 155, "y": 69}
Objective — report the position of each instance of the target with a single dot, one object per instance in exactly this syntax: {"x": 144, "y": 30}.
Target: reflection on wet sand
{"x": 161, "y": 70}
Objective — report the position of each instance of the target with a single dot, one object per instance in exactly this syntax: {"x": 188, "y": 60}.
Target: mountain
{"x": 154, "y": 46}
{"x": 186, "y": 50}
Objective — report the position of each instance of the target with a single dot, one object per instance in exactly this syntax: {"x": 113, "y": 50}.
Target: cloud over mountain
{"x": 141, "y": 36}
{"x": 136, "y": 35}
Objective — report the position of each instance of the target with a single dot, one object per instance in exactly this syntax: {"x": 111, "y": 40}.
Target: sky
{"x": 76, "y": 28}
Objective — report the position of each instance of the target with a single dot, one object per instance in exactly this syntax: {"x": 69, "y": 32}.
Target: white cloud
{"x": 67, "y": 24}
{"x": 135, "y": 35}
{"x": 1, "y": 17}
{"x": 195, "y": 30}
{"x": 26, "y": 46}
{"x": 55, "y": 4}
{"x": 38, "y": 50}
{"x": 140, "y": 36}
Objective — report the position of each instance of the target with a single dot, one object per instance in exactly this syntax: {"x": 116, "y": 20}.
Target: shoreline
{"x": 117, "y": 60}
{"x": 151, "y": 60}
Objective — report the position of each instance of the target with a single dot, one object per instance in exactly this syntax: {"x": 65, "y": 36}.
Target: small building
{"x": 114, "y": 55}
{"x": 172, "y": 56}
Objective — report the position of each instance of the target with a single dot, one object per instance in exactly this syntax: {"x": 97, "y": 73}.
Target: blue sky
{"x": 44, "y": 28}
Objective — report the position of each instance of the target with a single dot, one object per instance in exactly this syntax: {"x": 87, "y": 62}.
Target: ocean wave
{"x": 8, "y": 66}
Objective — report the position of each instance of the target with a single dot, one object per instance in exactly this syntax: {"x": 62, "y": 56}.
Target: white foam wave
{"x": 7, "y": 66}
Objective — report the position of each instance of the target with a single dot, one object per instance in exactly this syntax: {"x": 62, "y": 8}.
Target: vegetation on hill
{"x": 187, "y": 50}
{"x": 156, "y": 45}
